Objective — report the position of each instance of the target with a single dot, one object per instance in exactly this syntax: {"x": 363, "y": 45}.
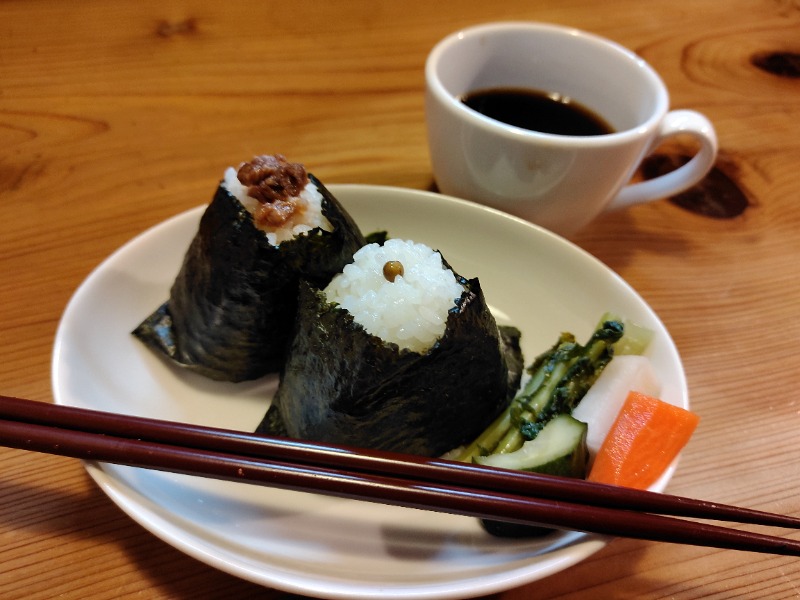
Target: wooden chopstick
{"x": 461, "y": 489}
{"x": 386, "y": 463}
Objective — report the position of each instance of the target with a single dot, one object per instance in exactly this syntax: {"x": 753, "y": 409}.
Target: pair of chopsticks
{"x": 388, "y": 478}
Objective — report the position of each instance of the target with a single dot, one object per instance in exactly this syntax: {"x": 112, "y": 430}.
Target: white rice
{"x": 412, "y": 310}
{"x": 301, "y": 223}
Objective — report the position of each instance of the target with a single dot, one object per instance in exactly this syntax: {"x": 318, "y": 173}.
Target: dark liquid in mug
{"x": 537, "y": 111}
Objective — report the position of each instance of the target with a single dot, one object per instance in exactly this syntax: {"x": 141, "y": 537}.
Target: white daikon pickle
{"x": 601, "y": 404}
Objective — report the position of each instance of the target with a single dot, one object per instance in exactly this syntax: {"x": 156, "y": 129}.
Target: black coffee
{"x": 537, "y": 111}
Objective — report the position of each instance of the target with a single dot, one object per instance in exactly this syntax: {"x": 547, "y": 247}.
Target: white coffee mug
{"x": 561, "y": 182}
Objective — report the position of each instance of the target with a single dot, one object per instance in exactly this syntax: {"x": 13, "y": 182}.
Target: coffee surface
{"x": 536, "y": 110}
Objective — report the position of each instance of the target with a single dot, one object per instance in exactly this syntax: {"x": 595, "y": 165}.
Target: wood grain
{"x": 116, "y": 115}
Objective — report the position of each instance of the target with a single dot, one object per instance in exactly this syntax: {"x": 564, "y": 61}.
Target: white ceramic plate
{"x": 302, "y": 543}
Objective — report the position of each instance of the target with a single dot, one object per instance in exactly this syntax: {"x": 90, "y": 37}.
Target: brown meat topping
{"x": 276, "y": 184}
{"x": 275, "y": 214}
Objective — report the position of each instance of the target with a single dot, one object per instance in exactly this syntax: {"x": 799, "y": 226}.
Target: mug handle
{"x": 677, "y": 122}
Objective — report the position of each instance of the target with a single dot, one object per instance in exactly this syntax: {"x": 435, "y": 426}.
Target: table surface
{"x": 116, "y": 115}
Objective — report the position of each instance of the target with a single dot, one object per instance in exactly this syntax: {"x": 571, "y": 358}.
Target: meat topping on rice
{"x": 280, "y": 195}
{"x": 276, "y": 184}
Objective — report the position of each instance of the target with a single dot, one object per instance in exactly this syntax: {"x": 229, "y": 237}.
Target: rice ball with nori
{"x": 398, "y": 353}
{"x": 232, "y": 306}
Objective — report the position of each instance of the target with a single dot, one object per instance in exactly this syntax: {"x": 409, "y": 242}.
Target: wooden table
{"x": 116, "y": 115}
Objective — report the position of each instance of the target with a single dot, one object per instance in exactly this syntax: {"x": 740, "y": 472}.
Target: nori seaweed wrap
{"x": 343, "y": 385}
{"x": 232, "y": 306}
